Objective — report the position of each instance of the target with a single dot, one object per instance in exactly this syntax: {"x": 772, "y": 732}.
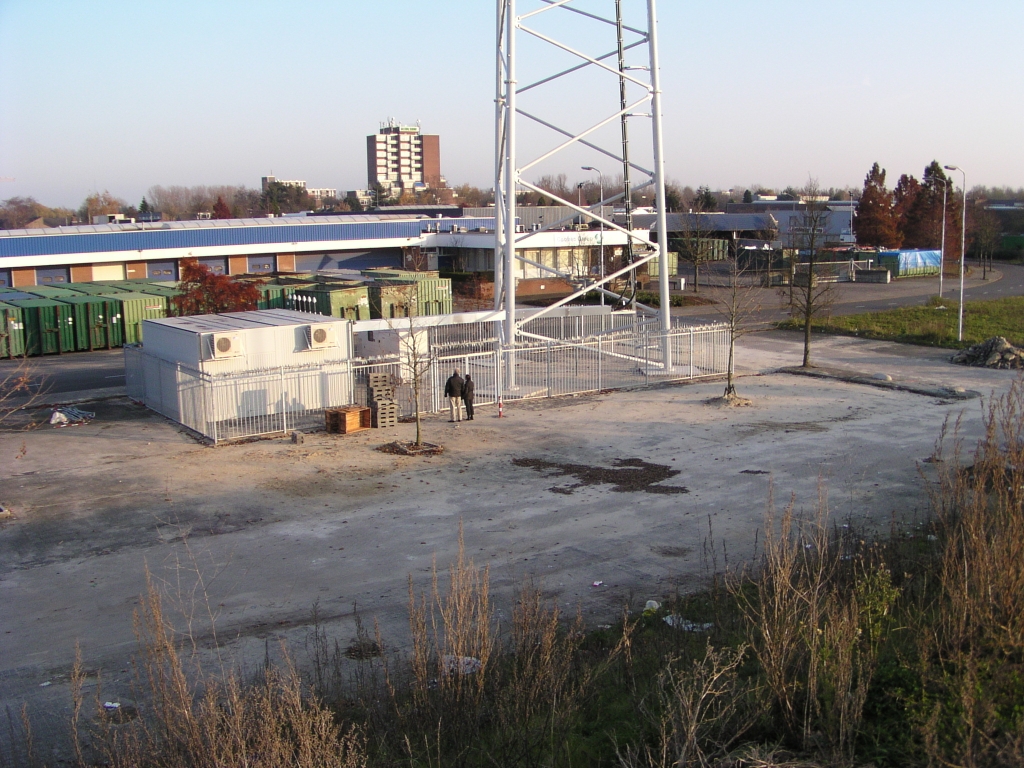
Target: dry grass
{"x": 834, "y": 649}
{"x": 192, "y": 719}
{"x": 971, "y": 635}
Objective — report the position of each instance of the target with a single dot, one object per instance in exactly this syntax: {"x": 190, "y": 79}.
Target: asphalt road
{"x": 856, "y": 298}
{"x": 58, "y": 374}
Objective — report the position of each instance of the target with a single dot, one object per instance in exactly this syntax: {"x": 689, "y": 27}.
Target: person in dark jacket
{"x": 453, "y": 391}
{"x": 467, "y": 396}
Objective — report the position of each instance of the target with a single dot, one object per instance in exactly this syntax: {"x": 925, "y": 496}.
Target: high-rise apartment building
{"x": 401, "y": 159}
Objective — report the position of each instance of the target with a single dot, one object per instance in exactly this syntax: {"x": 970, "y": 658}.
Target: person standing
{"x": 453, "y": 391}
{"x": 467, "y": 396}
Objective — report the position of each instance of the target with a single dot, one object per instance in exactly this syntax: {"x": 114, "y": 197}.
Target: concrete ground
{"x": 255, "y": 534}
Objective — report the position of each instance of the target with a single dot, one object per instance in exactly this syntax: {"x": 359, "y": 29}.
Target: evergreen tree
{"x": 922, "y": 222}
{"x": 705, "y": 200}
{"x": 144, "y": 206}
{"x": 221, "y": 210}
{"x": 875, "y": 220}
{"x": 903, "y": 197}
{"x": 748, "y": 196}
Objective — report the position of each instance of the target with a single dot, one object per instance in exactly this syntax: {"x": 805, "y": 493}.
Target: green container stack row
{"x": 50, "y": 320}
{"x": 275, "y": 292}
{"x": 48, "y": 326}
{"x": 348, "y": 300}
{"x": 53, "y": 319}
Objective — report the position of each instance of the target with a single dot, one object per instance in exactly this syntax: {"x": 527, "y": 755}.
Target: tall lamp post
{"x": 942, "y": 251}
{"x": 600, "y": 181}
{"x": 963, "y": 253}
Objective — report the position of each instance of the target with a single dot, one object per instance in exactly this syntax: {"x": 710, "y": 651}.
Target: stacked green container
{"x": 95, "y": 289}
{"x": 346, "y": 300}
{"x": 95, "y": 321}
{"x": 136, "y": 307}
{"x": 49, "y": 326}
{"x": 50, "y": 291}
{"x": 426, "y": 296}
{"x": 12, "y": 331}
{"x": 405, "y": 275}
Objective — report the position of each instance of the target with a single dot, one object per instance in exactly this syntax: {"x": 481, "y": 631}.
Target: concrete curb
{"x": 838, "y": 374}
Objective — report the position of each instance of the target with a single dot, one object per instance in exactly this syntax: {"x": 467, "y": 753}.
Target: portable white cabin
{"x": 245, "y": 373}
{"x": 248, "y": 341}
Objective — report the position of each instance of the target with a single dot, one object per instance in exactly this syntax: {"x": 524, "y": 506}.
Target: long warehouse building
{"x": 126, "y": 251}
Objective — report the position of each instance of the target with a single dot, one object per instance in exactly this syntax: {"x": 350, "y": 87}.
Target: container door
{"x": 112, "y": 327}
{"x": 14, "y": 328}
{"x": 5, "y": 333}
{"x": 97, "y": 313}
{"x": 79, "y": 315}
{"x": 67, "y": 324}
{"x": 49, "y": 329}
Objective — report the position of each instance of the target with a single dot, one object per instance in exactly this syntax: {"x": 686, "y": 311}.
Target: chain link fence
{"x": 233, "y": 406}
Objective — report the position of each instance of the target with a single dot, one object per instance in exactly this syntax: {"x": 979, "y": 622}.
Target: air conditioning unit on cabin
{"x": 224, "y": 345}
{"x": 320, "y": 335}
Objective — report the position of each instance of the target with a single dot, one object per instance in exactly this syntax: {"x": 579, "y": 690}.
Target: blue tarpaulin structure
{"x": 908, "y": 263}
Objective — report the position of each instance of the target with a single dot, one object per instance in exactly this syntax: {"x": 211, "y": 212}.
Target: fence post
{"x": 547, "y": 362}
{"x": 210, "y": 392}
{"x": 284, "y": 404}
{"x": 691, "y": 354}
{"x": 600, "y": 357}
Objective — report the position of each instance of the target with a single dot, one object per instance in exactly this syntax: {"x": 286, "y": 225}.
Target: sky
{"x": 121, "y": 96}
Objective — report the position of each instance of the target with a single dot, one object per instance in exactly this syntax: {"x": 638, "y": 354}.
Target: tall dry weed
{"x": 815, "y": 612}
{"x": 701, "y": 711}
{"x": 972, "y": 636}
{"x": 188, "y": 718}
{"x": 467, "y": 695}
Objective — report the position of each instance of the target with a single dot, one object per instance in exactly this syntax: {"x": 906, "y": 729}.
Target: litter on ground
{"x": 461, "y": 665}
{"x": 68, "y": 415}
{"x": 678, "y": 622}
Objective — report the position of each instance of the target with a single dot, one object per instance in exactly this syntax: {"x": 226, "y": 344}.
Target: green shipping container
{"x": 136, "y": 307}
{"x": 351, "y": 302}
{"x": 12, "y": 331}
{"x": 50, "y": 291}
{"x": 95, "y": 326}
{"x": 49, "y": 326}
{"x": 158, "y": 290}
{"x": 404, "y": 275}
{"x": 95, "y": 289}
{"x": 399, "y": 297}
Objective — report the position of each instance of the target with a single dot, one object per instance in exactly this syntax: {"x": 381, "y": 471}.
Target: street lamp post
{"x": 600, "y": 181}
{"x": 963, "y": 253}
{"x": 942, "y": 251}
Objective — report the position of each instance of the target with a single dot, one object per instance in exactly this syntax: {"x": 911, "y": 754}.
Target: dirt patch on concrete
{"x": 626, "y": 476}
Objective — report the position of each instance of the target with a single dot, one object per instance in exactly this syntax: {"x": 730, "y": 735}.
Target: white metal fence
{"x": 247, "y": 404}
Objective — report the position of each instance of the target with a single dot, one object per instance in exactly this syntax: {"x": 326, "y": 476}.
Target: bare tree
{"x": 415, "y": 354}
{"x": 738, "y": 302}
{"x": 812, "y": 295}
{"x": 694, "y": 241}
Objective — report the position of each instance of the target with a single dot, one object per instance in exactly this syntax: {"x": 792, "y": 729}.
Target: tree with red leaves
{"x": 205, "y": 293}
{"x": 221, "y": 210}
{"x": 875, "y": 221}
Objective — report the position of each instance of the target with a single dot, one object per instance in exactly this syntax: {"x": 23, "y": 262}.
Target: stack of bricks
{"x": 382, "y": 401}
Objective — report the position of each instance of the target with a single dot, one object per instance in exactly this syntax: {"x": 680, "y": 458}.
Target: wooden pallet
{"x": 344, "y": 421}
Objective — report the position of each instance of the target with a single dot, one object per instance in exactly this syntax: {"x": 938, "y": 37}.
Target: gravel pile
{"x": 996, "y": 352}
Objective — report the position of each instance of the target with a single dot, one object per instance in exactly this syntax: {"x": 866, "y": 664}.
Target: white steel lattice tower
{"x": 516, "y": 18}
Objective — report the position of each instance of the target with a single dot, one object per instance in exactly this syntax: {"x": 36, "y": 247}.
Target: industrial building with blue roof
{"x": 121, "y": 251}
